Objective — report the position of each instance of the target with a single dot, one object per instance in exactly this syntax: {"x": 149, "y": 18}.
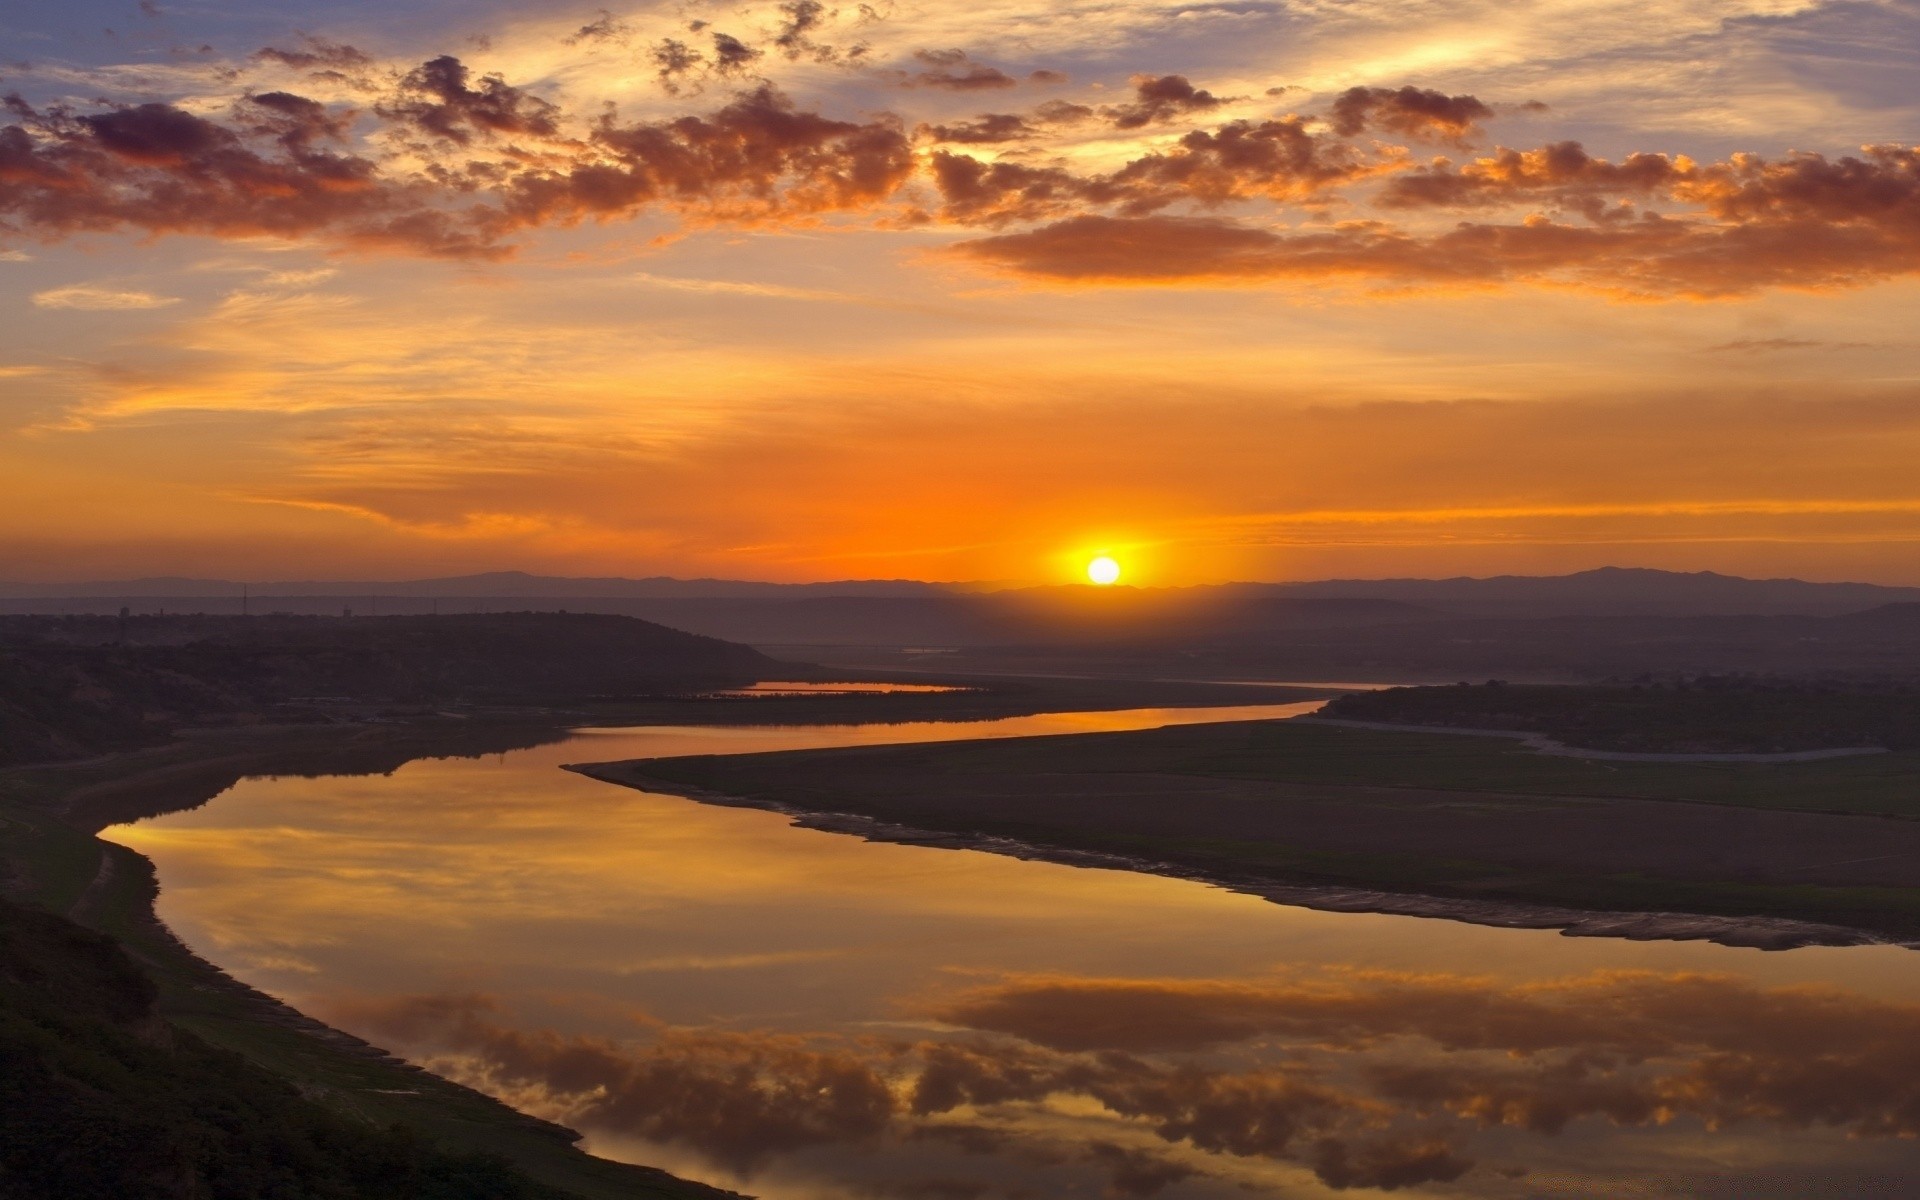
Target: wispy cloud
{"x": 728, "y": 287}
{"x": 87, "y": 296}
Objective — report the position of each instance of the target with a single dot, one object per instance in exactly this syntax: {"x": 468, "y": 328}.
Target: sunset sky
{"x": 1231, "y": 290}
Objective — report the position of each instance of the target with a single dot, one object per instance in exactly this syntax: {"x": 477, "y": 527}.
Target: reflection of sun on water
{"x": 1103, "y": 571}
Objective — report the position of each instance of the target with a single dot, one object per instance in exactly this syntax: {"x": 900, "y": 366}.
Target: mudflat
{"x": 1319, "y": 805}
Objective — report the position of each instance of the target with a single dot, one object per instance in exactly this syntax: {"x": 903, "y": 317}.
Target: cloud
{"x": 1777, "y": 344}
{"x": 455, "y": 164}
{"x": 1409, "y": 111}
{"x": 87, "y": 296}
{"x": 604, "y": 28}
{"x": 725, "y": 287}
{"x": 756, "y": 158}
{"x": 15, "y": 256}
{"x": 1242, "y": 160}
{"x": 323, "y": 60}
{"x": 435, "y": 98}
{"x": 1158, "y": 98}
{"x": 799, "y": 18}
{"x": 160, "y": 169}
{"x": 1652, "y": 257}
{"x": 985, "y": 129}
{"x": 954, "y": 71}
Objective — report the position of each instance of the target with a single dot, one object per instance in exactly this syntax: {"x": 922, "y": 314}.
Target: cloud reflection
{"x": 1365, "y": 1080}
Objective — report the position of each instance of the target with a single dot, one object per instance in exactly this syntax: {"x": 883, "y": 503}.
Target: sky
{"x": 1237, "y": 289}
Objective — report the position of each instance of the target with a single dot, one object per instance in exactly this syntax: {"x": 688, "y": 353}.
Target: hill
{"x": 72, "y": 686}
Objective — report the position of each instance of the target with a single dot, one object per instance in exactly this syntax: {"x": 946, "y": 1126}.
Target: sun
{"x": 1104, "y": 571}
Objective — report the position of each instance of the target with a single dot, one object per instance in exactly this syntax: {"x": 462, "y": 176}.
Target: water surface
{"x": 807, "y": 1016}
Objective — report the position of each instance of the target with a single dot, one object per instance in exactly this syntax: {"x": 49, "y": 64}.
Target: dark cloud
{"x": 447, "y": 163}
{"x": 1136, "y": 1172}
{"x": 756, "y": 158}
{"x": 1159, "y": 98}
{"x": 799, "y": 19}
{"x": 270, "y": 168}
{"x": 1243, "y": 160}
{"x": 731, "y": 56}
{"x": 160, "y": 169}
{"x": 1412, "y": 112}
{"x": 675, "y": 61}
{"x": 1563, "y": 173}
{"x": 987, "y": 128}
{"x": 1045, "y": 76}
{"x": 319, "y": 55}
{"x": 1647, "y": 257}
{"x": 604, "y": 28}
{"x": 954, "y": 71}
{"x": 1275, "y": 160}
{"x": 437, "y": 98}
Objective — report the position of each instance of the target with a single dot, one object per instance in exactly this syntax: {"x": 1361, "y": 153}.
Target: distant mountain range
{"x": 492, "y": 584}
{"x": 1608, "y": 623}
{"x": 1607, "y": 591}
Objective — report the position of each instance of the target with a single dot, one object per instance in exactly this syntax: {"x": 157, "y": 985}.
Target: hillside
{"x": 101, "y": 1097}
{"x": 74, "y": 686}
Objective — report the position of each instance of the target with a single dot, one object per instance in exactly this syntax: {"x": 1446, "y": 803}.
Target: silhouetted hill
{"x": 488, "y": 585}
{"x": 903, "y": 613}
{"x": 1618, "y": 591}
{"x": 1882, "y": 644}
{"x": 76, "y": 685}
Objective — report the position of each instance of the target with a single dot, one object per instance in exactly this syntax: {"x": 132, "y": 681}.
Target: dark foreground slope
{"x": 100, "y": 1097}
{"x": 71, "y": 686}
{"x": 1470, "y": 819}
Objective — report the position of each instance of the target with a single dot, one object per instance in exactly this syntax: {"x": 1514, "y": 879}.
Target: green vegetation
{"x": 1708, "y": 715}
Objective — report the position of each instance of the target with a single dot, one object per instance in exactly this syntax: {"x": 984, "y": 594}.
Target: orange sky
{"x": 1229, "y": 290}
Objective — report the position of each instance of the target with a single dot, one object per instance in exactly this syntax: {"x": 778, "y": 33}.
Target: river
{"x": 804, "y": 1015}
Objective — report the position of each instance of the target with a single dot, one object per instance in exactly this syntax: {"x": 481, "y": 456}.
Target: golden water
{"x": 804, "y": 1015}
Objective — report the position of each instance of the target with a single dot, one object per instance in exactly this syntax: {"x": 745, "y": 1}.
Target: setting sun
{"x": 1103, "y": 571}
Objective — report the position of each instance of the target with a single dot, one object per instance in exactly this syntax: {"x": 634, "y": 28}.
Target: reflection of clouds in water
{"x": 1635, "y": 1047}
{"x": 1382, "y": 1076}
{"x": 744, "y": 1098}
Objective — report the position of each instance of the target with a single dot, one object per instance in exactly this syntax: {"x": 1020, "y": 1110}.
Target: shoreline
{"x": 1757, "y": 933}
{"x": 1540, "y": 743}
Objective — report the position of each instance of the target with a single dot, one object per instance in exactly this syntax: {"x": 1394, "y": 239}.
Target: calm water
{"x": 807, "y": 1016}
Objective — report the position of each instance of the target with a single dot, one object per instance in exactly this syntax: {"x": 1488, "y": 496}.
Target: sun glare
{"x": 1103, "y": 571}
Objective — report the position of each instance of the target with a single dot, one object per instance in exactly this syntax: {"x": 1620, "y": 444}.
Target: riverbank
{"x": 1417, "y": 824}
{"x": 53, "y": 861}
{"x": 1759, "y": 933}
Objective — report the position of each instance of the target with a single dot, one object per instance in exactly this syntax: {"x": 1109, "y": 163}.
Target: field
{"x": 1834, "y": 841}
